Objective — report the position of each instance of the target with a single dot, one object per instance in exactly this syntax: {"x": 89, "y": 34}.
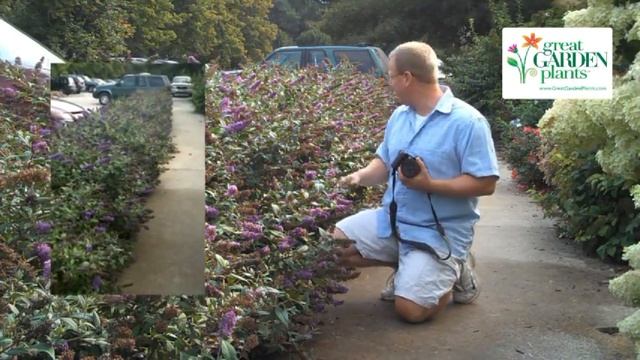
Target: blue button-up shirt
{"x": 455, "y": 139}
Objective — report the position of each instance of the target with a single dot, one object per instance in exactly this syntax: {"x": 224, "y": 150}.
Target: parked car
{"x": 365, "y": 58}
{"x": 67, "y": 111}
{"x": 181, "y": 85}
{"x": 164, "y": 61}
{"x": 64, "y": 83}
{"x": 80, "y": 85}
{"x": 129, "y": 84}
{"x": 91, "y": 83}
{"x": 138, "y": 60}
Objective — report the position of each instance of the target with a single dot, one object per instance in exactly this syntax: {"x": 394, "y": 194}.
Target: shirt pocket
{"x": 441, "y": 164}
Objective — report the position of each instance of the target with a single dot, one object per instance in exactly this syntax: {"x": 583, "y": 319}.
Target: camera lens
{"x": 410, "y": 167}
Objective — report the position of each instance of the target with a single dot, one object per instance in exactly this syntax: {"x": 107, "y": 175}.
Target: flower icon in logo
{"x": 531, "y": 41}
{"x": 520, "y": 63}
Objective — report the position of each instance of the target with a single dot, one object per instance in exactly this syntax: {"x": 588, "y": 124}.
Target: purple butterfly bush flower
{"x": 337, "y": 288}
{"x": 338, "y": 302}
{"x": 331, "y": 172}
{"x": 62, "y": 347}
{"x": 45, "y": 132}
{"x": 88, "y": 214}
{"x": 286, "y": 243}
{"x": 305, "y": 274}
{"x": 96, "y": 283}
{"x": 40, "y": 146}
{"x": 287, "y": 282}
{"x": 228, "y": 323}
{"x": 43, "y": 227}
{"x": 278, "y": 227}
{"x": 107, "y": 218}
{"x": 318, "y": 307}
{"x": 343, "y": 201}
{"x": 87, "y": 166}
{"x": 104, "y": 146}
{"x": 310, "y": 174}
{"x": 308, "y": 220}
{"x": 56, "y": 156}
{"x": 299, "y": 232}
{"x": 255, "y": 86}
{"x": 265, "y": 250}
{"x": 319, "y": 213}
{"x": 211, "y": 212}
{"x": 231, "y": 168}
{"x": 236, "y": 127}
{"x": 231, "y": 190}
{"x": 46, "y": 269}
{"x": 43, "y": 250}
{"x": 9, "y": 92}
{"x": 104, "y": 160}
{"x": 225, "y": 105}
{"x": 101, "y": 228}
{"x": 224, "y": 89}
{"x": 251, "y": 236}
{"x": 210, "y": 232}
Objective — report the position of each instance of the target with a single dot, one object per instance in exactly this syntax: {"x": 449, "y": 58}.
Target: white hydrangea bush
{"x": 610, "y": 127}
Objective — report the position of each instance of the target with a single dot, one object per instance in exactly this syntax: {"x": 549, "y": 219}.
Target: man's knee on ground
{"x": 411, "y": 312}
{"x": 338, "y": 234}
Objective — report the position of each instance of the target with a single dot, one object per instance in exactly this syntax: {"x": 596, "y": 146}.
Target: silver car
{"x": 67, "y": 111}
{"x": 182, "y": 85}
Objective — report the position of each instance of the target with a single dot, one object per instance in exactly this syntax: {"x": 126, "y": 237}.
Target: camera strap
{"x": 393, "y": 211}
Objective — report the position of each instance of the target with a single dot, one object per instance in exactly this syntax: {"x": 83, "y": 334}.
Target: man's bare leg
{"x": 414, "y": 313}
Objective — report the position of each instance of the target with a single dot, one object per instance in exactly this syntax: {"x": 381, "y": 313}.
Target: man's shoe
{"x": 388, "y": 294}
{"x": 467, "y": 288}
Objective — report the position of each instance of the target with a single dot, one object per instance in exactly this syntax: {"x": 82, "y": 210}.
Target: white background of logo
{"x": 593, "y": 39}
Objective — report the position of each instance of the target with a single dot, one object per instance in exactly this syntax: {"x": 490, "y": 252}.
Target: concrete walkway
{"x": 541, "y": 299}
{"x": 169, "y": 257}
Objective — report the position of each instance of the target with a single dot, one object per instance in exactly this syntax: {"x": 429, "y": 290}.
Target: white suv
{"x": 181, "y": 85}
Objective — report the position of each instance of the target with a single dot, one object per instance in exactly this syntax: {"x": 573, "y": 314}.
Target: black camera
{"x": 407, "y": 163}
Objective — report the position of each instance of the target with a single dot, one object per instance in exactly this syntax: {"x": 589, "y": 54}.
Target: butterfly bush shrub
{"x": 103, "y": 167}
{"x": 277, "y": 142}
{"x": 72, "y": 195}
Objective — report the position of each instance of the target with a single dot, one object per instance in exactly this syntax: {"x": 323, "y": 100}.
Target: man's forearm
{"x": 374, "y": 174}
{"x": 463, "y": 186}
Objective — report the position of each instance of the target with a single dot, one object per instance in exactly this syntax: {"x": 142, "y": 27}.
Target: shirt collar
{"x": 445, "y": 103}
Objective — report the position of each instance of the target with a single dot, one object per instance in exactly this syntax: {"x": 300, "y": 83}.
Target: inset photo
{"x": 127, "y": 176}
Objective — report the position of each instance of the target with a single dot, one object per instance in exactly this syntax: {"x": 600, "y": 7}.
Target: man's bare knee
{"x": 415, "y": 313}
{"x": 339, "y": 234}
{"x": 412, "y": 312}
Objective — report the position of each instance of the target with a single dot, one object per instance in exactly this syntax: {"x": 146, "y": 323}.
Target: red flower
{"x": 531, "y": 41}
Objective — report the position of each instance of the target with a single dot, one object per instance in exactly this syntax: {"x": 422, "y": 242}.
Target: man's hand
{"x": 422, "y": 181}
{"x": 350, "y": 180}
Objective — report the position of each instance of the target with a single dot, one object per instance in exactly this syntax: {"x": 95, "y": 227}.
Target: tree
{"x": 387, "y": 23}
{"x": 76, "y": 29}
{"x": 297, "y": 17}
{"x": 154, "y": 24}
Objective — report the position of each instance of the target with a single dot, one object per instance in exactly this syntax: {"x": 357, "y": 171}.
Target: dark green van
{"x": 129, "y": 84}
{"x": 367, "y": 59}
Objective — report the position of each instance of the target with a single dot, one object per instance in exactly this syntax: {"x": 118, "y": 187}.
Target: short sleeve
{"x": 383, "y": 149}
{"x": 478, "y": 154}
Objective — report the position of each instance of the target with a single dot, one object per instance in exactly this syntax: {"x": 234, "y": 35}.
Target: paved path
{"x": 169, "y": 257}
{"x": 541, "y": 299}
